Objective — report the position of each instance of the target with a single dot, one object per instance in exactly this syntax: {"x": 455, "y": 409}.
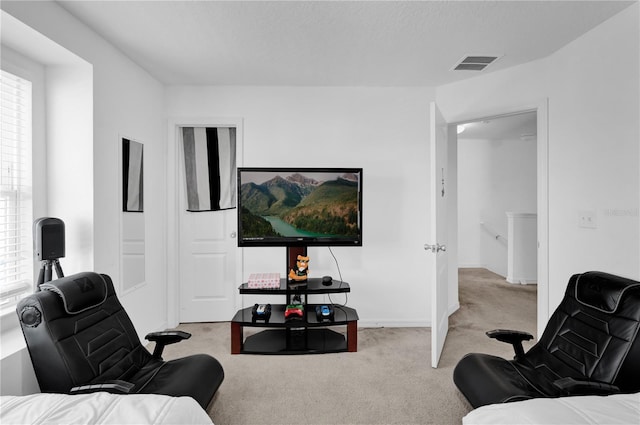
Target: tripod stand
{"x": 46, "y": 271}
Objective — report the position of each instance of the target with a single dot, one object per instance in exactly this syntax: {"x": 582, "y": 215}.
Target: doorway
{"x": 204, "y": 263}
{"x": 539, "y": 109}
{"x": 497, "y": 196}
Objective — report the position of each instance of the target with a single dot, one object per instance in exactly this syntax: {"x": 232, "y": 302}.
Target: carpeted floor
{"x": 388, "y": 381}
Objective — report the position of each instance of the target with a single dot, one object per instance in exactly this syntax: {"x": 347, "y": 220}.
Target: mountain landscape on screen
{"x": 297, "y": 205}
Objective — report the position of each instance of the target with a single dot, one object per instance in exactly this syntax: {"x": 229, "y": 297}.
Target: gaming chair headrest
{"x": 602, "y": 291}
{"x": 79, "y": 292}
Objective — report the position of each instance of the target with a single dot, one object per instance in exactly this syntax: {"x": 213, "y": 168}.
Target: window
{"x": 16, "y": 252}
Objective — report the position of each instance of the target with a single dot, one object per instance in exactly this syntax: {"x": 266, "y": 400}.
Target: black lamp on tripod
{"x": 48, "y": 242}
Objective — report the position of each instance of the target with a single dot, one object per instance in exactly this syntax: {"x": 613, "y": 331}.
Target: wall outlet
{"x": 587, "y": 219}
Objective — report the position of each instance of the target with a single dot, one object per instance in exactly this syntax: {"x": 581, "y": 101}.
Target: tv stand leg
{"x": 236, "y": 338}
{"x": 352, "y": 336}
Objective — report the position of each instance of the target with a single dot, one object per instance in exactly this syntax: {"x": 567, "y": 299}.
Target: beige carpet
{"x": 388, "y": 381}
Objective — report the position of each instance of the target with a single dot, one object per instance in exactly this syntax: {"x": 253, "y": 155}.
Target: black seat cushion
{"x": 199, "y": 376}
{"x": 476, "y": 374}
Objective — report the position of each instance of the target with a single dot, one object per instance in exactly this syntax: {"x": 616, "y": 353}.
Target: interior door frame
{"x": 541, "y": 107}
{"x": 173, "y": 205}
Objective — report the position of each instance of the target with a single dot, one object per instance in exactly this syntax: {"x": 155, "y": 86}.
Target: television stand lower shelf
{"x": 300, "y": 336}
{"x": 294, "y": 341}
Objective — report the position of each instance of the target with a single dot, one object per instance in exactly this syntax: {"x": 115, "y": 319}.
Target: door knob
{"x": 233, "y": 235}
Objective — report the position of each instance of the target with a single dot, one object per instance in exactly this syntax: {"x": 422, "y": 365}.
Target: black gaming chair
{"x": 591, "y": 345}
{"x": 80, "y": 339}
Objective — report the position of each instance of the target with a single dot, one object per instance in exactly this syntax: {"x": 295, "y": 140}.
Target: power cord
{"x": 346, "y": 294}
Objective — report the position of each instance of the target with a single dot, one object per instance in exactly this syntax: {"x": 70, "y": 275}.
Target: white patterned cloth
{"x": 582, "y": 410}
{"x": 101, "y": 408}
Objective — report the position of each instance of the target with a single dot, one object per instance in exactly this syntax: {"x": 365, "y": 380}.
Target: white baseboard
{"x": 521, "y": 281}
{"x": 394, "y": 324}
{"x": 403, "y": 323}
{"x": 501, "y": 274}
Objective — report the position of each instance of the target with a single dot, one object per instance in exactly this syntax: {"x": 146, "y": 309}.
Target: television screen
{"x": 299, "y": 206}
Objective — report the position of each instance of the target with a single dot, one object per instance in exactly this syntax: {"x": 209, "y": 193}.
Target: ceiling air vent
{"x": 475, "y": 63}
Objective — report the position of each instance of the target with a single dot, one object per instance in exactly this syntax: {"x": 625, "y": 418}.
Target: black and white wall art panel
{"x": 132, "y": 176}
{"x": 210, "y": 167}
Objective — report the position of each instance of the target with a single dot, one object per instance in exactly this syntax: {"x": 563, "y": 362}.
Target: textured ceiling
{"x": 334, "y": 43}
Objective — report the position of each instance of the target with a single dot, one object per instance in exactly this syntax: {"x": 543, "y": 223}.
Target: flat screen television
{"x": 299, "y": 207}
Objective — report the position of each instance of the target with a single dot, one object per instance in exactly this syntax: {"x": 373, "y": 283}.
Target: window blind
{"x": 16, "y": 253}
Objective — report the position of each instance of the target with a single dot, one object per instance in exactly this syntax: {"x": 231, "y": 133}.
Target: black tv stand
{"x": 303, "y": 336}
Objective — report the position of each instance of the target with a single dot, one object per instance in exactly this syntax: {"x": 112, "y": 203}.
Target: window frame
{"x": 17, "y": 64}
{"x": 16, "y": 182}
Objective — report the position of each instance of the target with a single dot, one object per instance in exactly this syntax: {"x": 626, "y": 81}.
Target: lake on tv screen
{"x": 285, "y": 229}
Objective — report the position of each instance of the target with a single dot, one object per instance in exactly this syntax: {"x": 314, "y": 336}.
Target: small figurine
{"x": 301, "y": 271}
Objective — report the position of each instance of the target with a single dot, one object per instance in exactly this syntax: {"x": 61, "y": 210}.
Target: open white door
{"x": 437, "y": 270}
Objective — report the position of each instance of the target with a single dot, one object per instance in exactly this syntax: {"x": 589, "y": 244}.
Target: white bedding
{"x": 101, "y": 408}
{"x": 585, "y": 410}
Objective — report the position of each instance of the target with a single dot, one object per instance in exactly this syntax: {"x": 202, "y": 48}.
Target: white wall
{"x": 125, "y": 100}
{"x": 494, "y": 176}
{"x": 69, "y": 164}
{"x": 383, "y": 130}
{"x": 592, "y": 86}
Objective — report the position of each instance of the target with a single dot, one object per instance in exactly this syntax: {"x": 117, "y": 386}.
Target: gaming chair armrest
{"x": 514, "y": 338}
{"x": 572, "y": 386}
{"x": 116, "y": 387}
{"x": 165, "y": 338}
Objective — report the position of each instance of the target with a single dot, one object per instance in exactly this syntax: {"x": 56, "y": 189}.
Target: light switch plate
{"x": 587, "y": 219}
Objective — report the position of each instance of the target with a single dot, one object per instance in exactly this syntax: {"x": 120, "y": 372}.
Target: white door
{"x": 207, "y": 267}
{"x": 436, "y": 249}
